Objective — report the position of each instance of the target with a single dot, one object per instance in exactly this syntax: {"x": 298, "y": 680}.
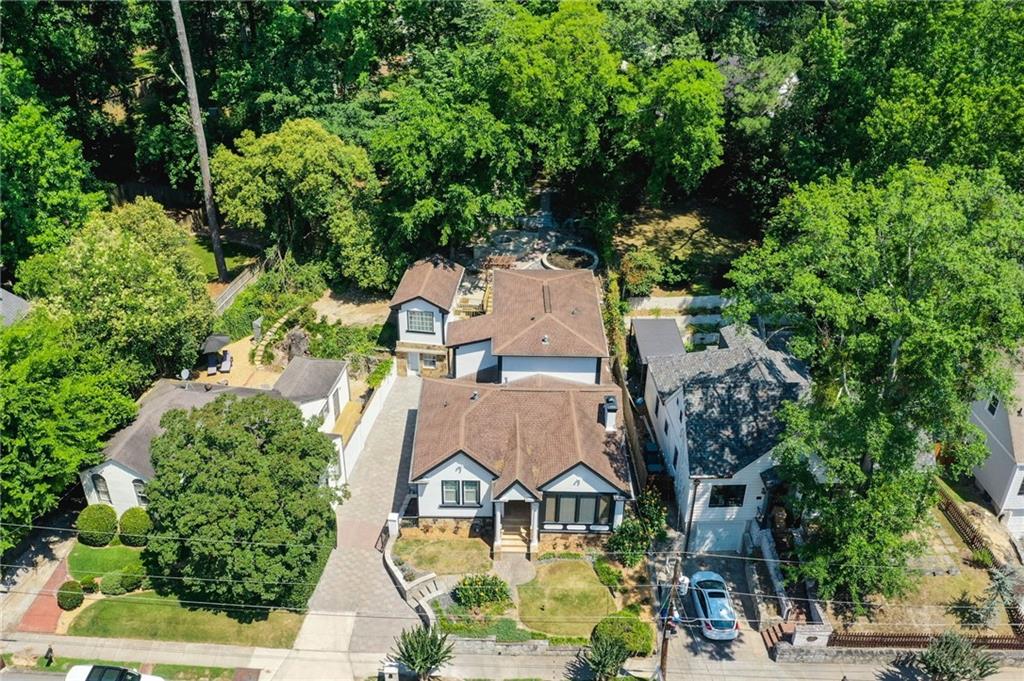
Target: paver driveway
{"x": 355, "y": 606}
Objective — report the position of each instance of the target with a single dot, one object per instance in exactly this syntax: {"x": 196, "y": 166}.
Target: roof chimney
{"x": 611, "y": 411}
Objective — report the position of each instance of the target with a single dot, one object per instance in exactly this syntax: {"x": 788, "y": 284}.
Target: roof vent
{"x": 475, "y": 395}
{"x": 611, "y": 409}
{"x": 573, "y": 312}
{"x": 546, "y": 292}
{"x": 544, "y": 339}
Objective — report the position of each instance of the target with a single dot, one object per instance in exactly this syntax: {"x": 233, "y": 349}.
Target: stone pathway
{"x": 355, "y": 606}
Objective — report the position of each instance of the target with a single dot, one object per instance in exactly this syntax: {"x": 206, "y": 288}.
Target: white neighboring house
{"x": 544, "y": 322}
{"x": 713, "y": 414}
{"x": 424, "y": 301}
{"x": 12, "y": 307}
{"x": 524, "y": 436}
{"x": 1002, "y": 473}
{"x": 319, "y": 388}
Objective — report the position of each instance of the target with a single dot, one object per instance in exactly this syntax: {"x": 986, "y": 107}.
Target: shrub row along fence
{"x": 882, "y": 640}
{"x": 239, "y": 283}
{"x": 976, "y": 541}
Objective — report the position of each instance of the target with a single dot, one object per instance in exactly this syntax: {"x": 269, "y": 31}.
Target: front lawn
{"x": 88, "y": 561}
{"x": 170, "y": 672}
{"x": 564, "y": 599}
{"x": 146, "y": 615}
{"x": 447, "y": 556}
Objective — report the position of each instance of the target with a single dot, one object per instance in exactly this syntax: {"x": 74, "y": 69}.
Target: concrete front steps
{"x": 515, "y": 539}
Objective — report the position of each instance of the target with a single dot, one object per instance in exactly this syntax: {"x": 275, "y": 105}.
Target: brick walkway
{"x": 44, "y": 613}
{"x": 355, "y": 606}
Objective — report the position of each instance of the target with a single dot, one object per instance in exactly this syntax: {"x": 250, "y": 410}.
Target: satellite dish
{"x": 185, "y": 373}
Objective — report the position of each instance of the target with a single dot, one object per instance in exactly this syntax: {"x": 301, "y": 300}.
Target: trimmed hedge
{"x": 89, "y": 585}
{"x": 131, "y": 577}
{"x": 627, "y": 628}
{"x": 474, "y": 591}
{"x": 607, "y": 573}
{"x": 135, "y": 527}
{"x": 111, "y": 585}
{"x": 96, "y": 525}
{"x": 70, "y": 595}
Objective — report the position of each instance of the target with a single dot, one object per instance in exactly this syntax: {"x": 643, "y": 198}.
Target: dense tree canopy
{"x": 130, "y": 286}
{"x": 240, "y": 478}
{"x": 59, "y": 398}
{"x": 903, "y": 295}
{"x": 44, "y": 177}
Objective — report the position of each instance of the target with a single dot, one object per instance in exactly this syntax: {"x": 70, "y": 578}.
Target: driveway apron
{"x": 355, "y": 606}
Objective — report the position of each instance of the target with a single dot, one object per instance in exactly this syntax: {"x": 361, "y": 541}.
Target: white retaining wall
{"x": 349, "y": 453}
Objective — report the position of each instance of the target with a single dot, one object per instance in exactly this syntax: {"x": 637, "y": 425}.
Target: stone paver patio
{"x": 355, "y": 606}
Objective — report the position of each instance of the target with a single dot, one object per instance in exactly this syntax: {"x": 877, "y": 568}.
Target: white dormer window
{"x": 993, "y": 404}
{"x": 418, "y": 321}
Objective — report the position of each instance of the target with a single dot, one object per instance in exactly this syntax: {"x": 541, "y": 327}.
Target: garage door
{"x": 717, "y": 537}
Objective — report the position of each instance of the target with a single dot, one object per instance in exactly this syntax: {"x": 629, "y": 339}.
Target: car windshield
{"x": 110, "y": 674}
{"x": 711, "y": 585}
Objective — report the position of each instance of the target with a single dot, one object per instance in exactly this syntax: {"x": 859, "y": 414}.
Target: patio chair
{"x": 211, "y": 364}
{"x": 225, "y": 365}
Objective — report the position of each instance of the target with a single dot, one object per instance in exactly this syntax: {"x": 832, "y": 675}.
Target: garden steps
{"x": 265, "y": 339}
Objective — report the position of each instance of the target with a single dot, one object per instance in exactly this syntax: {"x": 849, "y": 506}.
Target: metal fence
{"x": 882, "y": 640}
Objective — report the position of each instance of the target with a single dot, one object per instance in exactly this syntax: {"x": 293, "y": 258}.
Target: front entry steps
{"x": 515, "y": 539}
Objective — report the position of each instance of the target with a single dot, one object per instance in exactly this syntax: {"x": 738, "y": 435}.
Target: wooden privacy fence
{"x": 881, "y": 640}
{"x": 239, "y": 283}
{"x": 628, "y": 415}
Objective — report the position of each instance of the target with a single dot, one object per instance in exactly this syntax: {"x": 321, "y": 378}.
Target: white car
{"x": 99, "y": 672}
{"x": 711, "y": 600}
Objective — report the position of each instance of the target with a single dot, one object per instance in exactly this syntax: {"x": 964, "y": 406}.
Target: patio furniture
{"x": 225, "y": 364}
{"x": 211, "y": 363}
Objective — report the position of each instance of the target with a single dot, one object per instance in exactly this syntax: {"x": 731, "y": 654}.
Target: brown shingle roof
{"x": 434, "y": 279}
{"x": 539, "y": 313}
{"x": 529, "y": 431}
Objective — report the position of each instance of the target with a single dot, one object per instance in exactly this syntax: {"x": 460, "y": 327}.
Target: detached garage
{"x": 724, "y": 537}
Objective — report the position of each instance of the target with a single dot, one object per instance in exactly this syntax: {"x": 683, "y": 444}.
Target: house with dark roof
{"x": 543, "y": 322}
{"x": 1001, "y": 475}
{"x": 714, "y": 414}
{"x": 652, "y": 336}
{"x": 318, "y": 387}
{"x": 523, "y": 437}
{"x": 423, "y": 305}
{"x": 12, "y": 307}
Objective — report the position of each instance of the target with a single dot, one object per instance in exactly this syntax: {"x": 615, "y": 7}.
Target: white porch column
{"x": 620, "y": 505}
{"x": 534, "y": 525}
{"x": 499, "y": 509}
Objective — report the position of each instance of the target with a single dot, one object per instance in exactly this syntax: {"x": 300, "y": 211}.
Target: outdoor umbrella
{"x": 214, "y": 343}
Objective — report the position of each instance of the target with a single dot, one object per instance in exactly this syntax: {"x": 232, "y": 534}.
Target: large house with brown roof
{"x": 423, "y": 303}
{"x": 523, "y": 436}
{"x": 544, "y": 322}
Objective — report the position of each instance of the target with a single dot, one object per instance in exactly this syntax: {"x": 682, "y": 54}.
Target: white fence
{"x": 677, "y": 303}
{"x": 349, "y": 452}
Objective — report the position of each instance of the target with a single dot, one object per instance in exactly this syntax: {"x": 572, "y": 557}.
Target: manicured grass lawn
{"x": 146, "y": 615}
{"x": 236, "y": 256}
{"x": 86, "y": 561}
{"x": 183, "y": 672}
{"x": 445, "y": 556}
{"x": 565, "y": 599}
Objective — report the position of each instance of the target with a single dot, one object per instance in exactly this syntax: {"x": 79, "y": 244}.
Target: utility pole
{"x": 677, "y": 574}
{"x": 197, "y": 127}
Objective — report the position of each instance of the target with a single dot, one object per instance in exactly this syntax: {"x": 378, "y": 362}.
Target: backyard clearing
{"x": 701, "y": 237}
{"x": 454, "y": 556}
{"x": 564, "y": 599}
{"x": 147, "y": 615}
{"x": 352, "y": 307}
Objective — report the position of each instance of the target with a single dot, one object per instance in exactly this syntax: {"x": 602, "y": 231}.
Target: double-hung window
{"x": 419, "y": 321}
{"x": 99, "y": 483}
{"x": 578, "y": 509}
{"x": 993, "y": 405}
{"x": 725, "y": 496}
{"x": 460, "y": 493}
{"x": 140, "y": 492}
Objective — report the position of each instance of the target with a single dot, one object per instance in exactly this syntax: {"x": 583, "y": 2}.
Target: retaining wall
{"x": 786, "y": 652}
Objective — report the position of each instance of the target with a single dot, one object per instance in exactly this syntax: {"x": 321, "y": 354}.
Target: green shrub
{"x": 89, "y": 585}
{"x": 641, "y": 271}
{"x": 605, "y": 657}
{"x": 70, "y": 595}
{"x": 626, "y": 627}
{"x": 272, "y": 295}
{"x": 982, "y": 558}
{"x": 607, "y": 573}
{"x": 131, "y": 577}
{"x": 629, "y": 542}
{"x": 379, "y": 373}
{"x": 96, "y": 525}
{"x": 110, "y": 584}
{"x": 135, "y": 527}
{"x": 474, "y": 591}
{"x": 652, "y": 513}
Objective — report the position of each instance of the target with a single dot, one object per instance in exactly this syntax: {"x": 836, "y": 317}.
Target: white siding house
{"x": 423, "y": 305}
{"x": 115, "y": 484}
{"x": 713, "y": 416}
{"x": 1002, "y": 473}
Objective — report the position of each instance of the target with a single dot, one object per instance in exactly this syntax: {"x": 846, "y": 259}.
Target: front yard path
{"x": 355, "y": 606}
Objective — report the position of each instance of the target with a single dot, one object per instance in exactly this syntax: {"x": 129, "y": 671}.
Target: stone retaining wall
{"x": 490, "y": 646}
{"x": 788, "y": 653}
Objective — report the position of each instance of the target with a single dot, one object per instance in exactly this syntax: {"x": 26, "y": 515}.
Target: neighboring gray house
{"x": 12, "y": 307}
{"x": 651, "y": 336}
{"x": 714, "y": 415}
{"x": 1002, "y": 473}
{"x": 318, "y": 387}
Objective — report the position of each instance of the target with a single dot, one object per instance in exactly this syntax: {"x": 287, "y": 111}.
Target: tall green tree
{"x": 313, "y": 192}
{"x": 239, "y": 479}
{"x": 903, "y": 295}
{"x": 59, "y": 398}
{"x": 45, "y": 179}
{"x": 130, "y": 285}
